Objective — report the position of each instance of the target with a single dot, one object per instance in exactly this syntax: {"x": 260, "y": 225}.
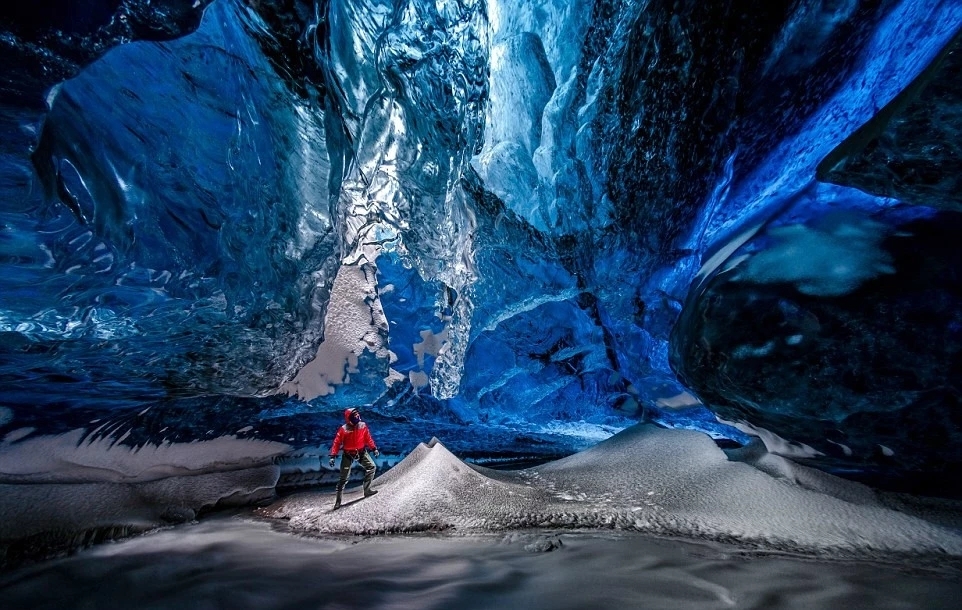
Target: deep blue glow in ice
{"x": 510, "y": 220}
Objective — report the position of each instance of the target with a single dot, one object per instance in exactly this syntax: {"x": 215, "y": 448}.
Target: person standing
{"x": 355, "y": 438}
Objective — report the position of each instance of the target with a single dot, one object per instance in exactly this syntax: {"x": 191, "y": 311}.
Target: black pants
{"x": 347, "y": 460}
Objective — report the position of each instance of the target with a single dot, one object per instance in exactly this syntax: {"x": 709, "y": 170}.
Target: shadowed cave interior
{"x": 518, "y": 226}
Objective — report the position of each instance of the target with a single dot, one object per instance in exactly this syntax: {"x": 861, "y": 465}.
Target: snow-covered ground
{"x": 649, "y": 518}
{"x": 644, "y": 479}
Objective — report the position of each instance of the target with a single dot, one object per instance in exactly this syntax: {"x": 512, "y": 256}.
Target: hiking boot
{"x": 337, "y": 501}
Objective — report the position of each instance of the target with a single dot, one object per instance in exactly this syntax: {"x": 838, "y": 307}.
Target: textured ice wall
{"x": 820, "y": 313}
{"x": 410, "y": 81}
{"x": 80, "y": 456}
{"x": 51, "y": 518}
{"x": 52, "y": 40}
{"x": 60, "y": 492}
{"x": 483, "y": 213}
{"x": 531, "y": 157}
{"x": 175, "y": 244}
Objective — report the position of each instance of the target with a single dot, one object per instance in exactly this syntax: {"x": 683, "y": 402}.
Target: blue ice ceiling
{"x": 518, "y": 226}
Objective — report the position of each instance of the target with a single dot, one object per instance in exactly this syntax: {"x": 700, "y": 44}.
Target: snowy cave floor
{"x": 240, "y": 562}
{"x": 644, "y": 479}
{"x": 650, "y": 518}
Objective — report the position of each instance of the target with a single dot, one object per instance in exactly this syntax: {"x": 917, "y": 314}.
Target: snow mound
{"x": 665, "y": 482}
{"x": 431, "y": 489}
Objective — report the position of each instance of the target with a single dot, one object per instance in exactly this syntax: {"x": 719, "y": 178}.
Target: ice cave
{"x": 647, "y": 303}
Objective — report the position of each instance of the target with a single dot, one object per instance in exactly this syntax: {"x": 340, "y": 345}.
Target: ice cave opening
{"x": 639, "y": 269}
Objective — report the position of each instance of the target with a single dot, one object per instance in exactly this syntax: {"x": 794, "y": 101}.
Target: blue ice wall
{"x": 164, "y": 218}
{"x": 513, "y": 221}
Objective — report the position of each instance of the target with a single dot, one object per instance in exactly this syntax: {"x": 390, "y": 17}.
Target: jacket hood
{"x": 347, "y": 415}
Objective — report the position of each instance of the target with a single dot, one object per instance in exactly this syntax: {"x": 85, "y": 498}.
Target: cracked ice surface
{"x": 666, "y": 482}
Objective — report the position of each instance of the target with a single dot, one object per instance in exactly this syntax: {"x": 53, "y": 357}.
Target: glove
{"x": 376, "y": 452}
{"x": 331, "y": 463}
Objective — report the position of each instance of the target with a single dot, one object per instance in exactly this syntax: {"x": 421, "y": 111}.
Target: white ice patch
{"x": 418, "y": 379}
{"x": 773, "y": 442}
{"x": 526, "y": 306}
{"x": 431, "y": 344}
{"x": 829, "y": 259}
{"x": 582, "y": 430}
{"x": 683, "y": 400}
{"x": 394, "y": 376}
{"x": 722, "y": 255}
{"x": 53, "y": 94}
{"x": 15, "y": 435}
{"x": 353, "y": 324}
{"x": 743, "y": 352}
{"x": 845, "y": 448}
{"x": 66, "y": 458}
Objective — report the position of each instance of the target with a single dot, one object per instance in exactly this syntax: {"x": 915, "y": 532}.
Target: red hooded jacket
{"x": 352, "y": 438}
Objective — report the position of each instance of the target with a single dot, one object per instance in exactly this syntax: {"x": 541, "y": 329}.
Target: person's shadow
{"x": 346, "y": 504}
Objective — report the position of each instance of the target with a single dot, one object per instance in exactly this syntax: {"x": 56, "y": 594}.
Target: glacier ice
{"x": 159, "y": 222}
{"x": 909, "y": 149}
{"x": 831, "y": 258}
{"x": 845, "y": 363}
{"x": 515, "y": 222}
